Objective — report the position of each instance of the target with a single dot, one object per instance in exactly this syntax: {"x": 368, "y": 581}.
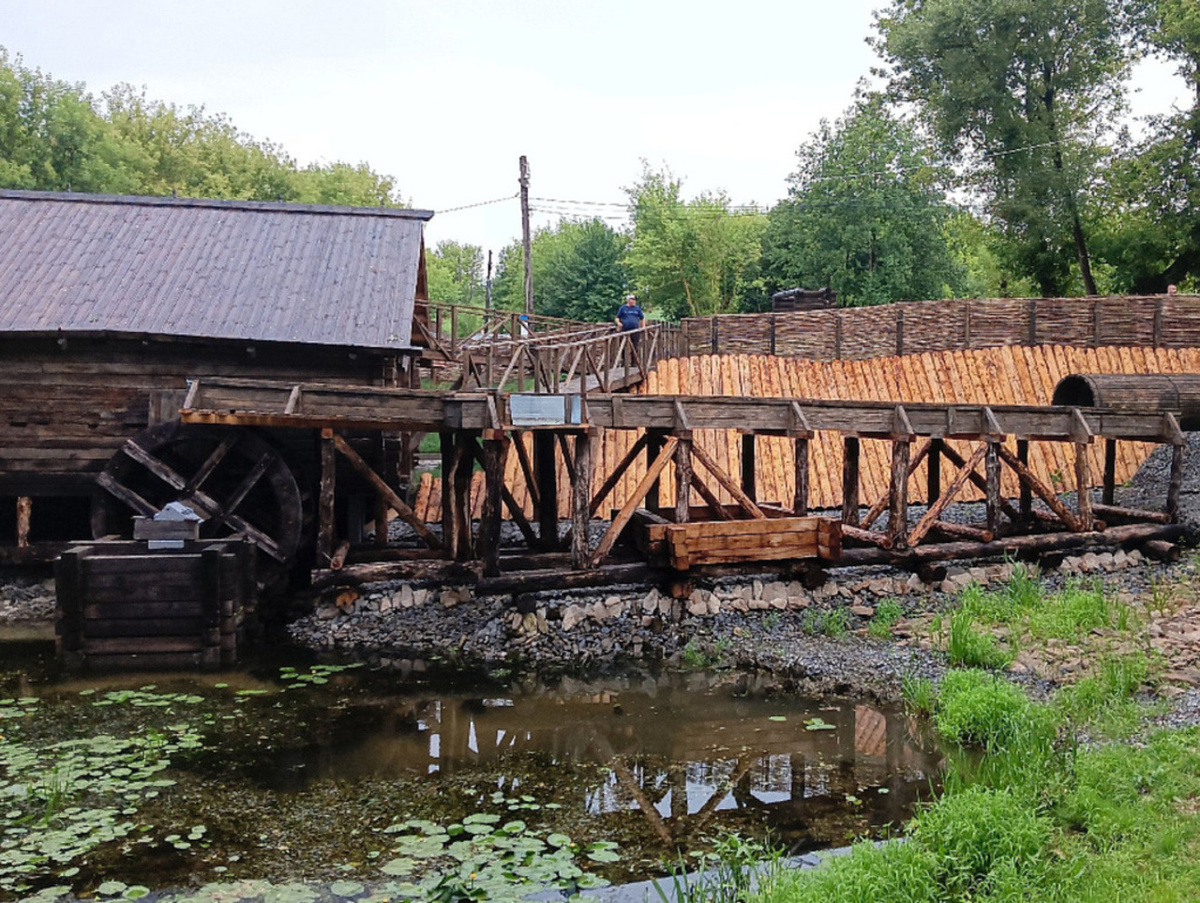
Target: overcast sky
{"x": 446, "y": 95}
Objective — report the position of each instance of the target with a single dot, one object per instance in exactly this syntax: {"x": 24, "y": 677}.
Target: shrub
{"x": 967, "y": 647}
{"x": 975, "y": 708}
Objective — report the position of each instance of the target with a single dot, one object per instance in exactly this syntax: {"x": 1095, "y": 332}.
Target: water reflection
{"x": 682, "y": 751}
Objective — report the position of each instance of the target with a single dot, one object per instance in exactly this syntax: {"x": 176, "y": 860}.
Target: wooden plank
{"x": 850, "y": 480}
{"x": 580, "y": 501}
{"x": 186, "y": 629}
{"x": 135, "y": 645}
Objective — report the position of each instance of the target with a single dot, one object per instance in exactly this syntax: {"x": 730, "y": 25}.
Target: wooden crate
{"x": 773, "y": 539}
{"x": 123, "y": 607}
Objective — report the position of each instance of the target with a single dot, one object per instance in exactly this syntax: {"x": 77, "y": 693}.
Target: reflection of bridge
{"x": 681, "y": 772}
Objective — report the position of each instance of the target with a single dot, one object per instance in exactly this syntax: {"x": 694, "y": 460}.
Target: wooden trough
{"x": 734, "y": 538}
{"x": 121, "y": 606}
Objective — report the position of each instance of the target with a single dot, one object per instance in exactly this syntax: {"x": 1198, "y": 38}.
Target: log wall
{"x": 859, "y": 333}
{"x": 65, "y": 408}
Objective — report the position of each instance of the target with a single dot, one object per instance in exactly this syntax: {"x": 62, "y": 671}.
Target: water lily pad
{"x": 346, "y": 888}
{"x": 112, "y": 888}
{"x": 777, "y": 718}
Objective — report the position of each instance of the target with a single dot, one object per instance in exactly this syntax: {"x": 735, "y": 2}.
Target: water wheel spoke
{"x": 160, "y": 469}
{"x": 210, "y": 464}
{"x": 239, "y": 494}
{"x": 126, "y": 495}
{"x": 218, "y": 473}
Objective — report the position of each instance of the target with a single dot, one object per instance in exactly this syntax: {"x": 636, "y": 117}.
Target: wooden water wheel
{"x": 233, "y": 478}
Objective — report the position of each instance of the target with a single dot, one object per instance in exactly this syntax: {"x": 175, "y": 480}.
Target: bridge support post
{"x": 545, "y": 471}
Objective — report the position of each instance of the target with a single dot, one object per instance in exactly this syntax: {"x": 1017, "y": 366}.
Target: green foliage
{"x": 920, "y": 694}
{"x": 892, "y": 873}
{"x": 691, "y": 258}
{"x": 55, "y": 136}
{"x": 887, "y": 613}
{"x": 865, "y": 213}
{"x": 579, "y": 272}
{"x": 968, "y": 647}
{"x": 831, "y": 622}
{"x": 484, "y": 857}
{"x": 726, "y": 874}
{"x": 65, "y": 799}
{"x": 981, "y": 838}
{"x": 1026, "y": 93}
{"x": 975, "y": 708}
{"x": 454, "y": 273}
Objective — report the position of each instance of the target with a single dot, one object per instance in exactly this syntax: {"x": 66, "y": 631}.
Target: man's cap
{"x": 631, "y": 297}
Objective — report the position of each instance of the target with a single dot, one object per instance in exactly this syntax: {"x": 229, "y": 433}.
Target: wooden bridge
{"x": 480, "y": 426}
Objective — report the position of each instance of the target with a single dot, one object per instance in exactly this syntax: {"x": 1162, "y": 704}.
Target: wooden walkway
{"x": 484, "y": 427}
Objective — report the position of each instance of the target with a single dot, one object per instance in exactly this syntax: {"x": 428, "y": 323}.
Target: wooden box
{"x": 122, "y": 607}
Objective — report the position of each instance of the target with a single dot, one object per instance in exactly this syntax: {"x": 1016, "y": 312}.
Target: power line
{"x": 511, "y": 197}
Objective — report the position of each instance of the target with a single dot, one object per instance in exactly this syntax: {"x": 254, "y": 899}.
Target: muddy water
{"x": 297, "y": 778}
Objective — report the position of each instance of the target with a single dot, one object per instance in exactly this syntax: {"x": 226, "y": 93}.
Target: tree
{"x": 55, "y": 136}
{"x": 691, "y": 258}
{"x": 454, "y": 273}
{"x": 1027, "y": 89}
{"x": 579, "y": 271}
{"x": 865, "y": 214}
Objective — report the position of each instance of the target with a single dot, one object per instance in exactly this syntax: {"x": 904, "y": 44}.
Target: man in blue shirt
{"x": 630, "y": 316}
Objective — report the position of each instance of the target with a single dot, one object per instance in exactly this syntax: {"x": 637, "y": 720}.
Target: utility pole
{"x": 526, "y": 240}
{"x": 487, "y": 288}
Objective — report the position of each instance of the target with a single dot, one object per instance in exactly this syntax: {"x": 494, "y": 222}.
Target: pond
{"x": 293, "y": 771}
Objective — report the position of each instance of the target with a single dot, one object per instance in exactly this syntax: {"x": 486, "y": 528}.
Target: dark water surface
{"x": 299, "y": 771}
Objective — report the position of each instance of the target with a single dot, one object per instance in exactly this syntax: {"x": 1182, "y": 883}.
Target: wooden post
{"x": 526, "y": 237}
{"x": 545, "y": 472}
{"x": 933, "y": 481}
{"x": 325, "y": 504}
{"x": 24, "y": 516}
{"x": 1026, "y": 502}
{"x": 800, "y": 499}
{"x": 449, "y": 540}
{"x": 749, "y": 476}
{"x": 683, "y": 477}
{"x": 581, "y": 491}
{"x": 1176, "y": 482}
{"x": 463, "y": 470}
{"x": 898, "y": 492}
{"x": 1083, "y": 486}
{"x": 69, "y": 588}
{"x": 992, "y": 471}
{"x": 1110, "y": 471}
{"x": 850, "y": 449}
{"x": 489, "y": 520}
{"x": 654, "y": 446}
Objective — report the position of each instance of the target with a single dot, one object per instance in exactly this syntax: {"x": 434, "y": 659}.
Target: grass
{"x": 833, "y": 622}
{"x": 1027, "y": 811}
{"x": 886, "y": 615}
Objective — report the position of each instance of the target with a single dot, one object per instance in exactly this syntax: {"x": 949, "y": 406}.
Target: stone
{"x": 543, "y": 625}
{"x": 420, "y": 596}
{"x": 327, "y": 612}
{"x": 779, "y": 604}
{"x": 1120, "y": 559}
{"x": 697, "y": 607}
{"x": 650, "y": 602}
{"x": 757, "y": 587}
{"x": 863, "y": 611}
{"x": 739, "y": 604}
{"x": 773, "y": 591}
{"x": 714, "y": 605}
{"x": 572, "y": 615}
{"x": 915, "y": 584}
{"x": 798, "y": 603}
{"x": 385, "y": 603}
{"x": 1090, "y": 561}
{"x": 757, "y": 605}
{"x": 665, "y": 606}
{"x": 406, "y": 596}
{"x": 614, "y": 607}
{"x": 529, "y": 623}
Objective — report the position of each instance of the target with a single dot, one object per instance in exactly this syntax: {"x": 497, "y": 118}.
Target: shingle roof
{"x": 212, "y": 269}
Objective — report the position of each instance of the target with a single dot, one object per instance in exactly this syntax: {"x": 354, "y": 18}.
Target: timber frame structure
{"x": 479, "y": 427}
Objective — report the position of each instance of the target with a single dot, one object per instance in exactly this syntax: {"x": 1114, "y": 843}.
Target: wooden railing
{"x": 447, "y": 330}
{"x": 595, "y": 358}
